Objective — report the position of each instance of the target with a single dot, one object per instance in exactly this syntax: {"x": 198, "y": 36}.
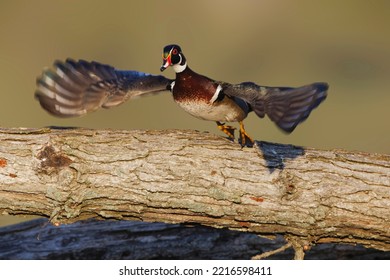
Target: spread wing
{"x": 75, "y": 88}
{"x": 285, "y": 106}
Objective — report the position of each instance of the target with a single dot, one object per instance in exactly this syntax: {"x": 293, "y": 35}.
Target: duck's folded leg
{"x": 227, "y": 129}
{"x": 246, "y": 140}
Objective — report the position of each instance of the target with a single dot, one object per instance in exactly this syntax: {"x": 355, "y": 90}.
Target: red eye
{"x": 174, "y": 51}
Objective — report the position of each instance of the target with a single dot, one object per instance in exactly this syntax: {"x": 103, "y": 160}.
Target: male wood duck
{"x": 75, "y": 88}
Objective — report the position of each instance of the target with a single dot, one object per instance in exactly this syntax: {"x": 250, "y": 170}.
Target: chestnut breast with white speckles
{"x": 198, "y": 96}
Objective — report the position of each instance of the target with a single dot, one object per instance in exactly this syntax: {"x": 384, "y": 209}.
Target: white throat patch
{"x": 179, "y": 68}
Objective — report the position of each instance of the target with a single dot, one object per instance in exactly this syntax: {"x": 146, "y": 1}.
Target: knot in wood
{"x": 51, "y": 159}
{"x": 289, "y": 185}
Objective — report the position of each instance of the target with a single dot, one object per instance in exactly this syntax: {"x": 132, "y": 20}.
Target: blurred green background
{"x": 270, "y": 42}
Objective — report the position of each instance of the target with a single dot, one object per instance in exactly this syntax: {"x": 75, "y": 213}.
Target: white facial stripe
{"x": 215, "y": 96}
{"x": 170, "y": 54}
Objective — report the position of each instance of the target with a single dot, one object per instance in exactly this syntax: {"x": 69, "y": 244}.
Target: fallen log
{"x": 308, "y": 196}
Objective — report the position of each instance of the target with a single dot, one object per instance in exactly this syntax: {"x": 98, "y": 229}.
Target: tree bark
{"x": 309, "y": 196}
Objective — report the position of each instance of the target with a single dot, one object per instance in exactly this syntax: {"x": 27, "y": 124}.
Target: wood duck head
{"x": 173, "y": 56}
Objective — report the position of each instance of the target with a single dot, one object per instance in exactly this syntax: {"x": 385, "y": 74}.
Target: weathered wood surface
{"x": 91, "y": 239}
{"x": 309, "y": 196}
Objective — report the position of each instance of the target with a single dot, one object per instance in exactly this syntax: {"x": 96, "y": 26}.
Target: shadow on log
{"x": 38, "y": 239}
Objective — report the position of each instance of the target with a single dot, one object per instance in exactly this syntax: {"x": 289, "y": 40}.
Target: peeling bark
{"x": 309, "y": 196}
